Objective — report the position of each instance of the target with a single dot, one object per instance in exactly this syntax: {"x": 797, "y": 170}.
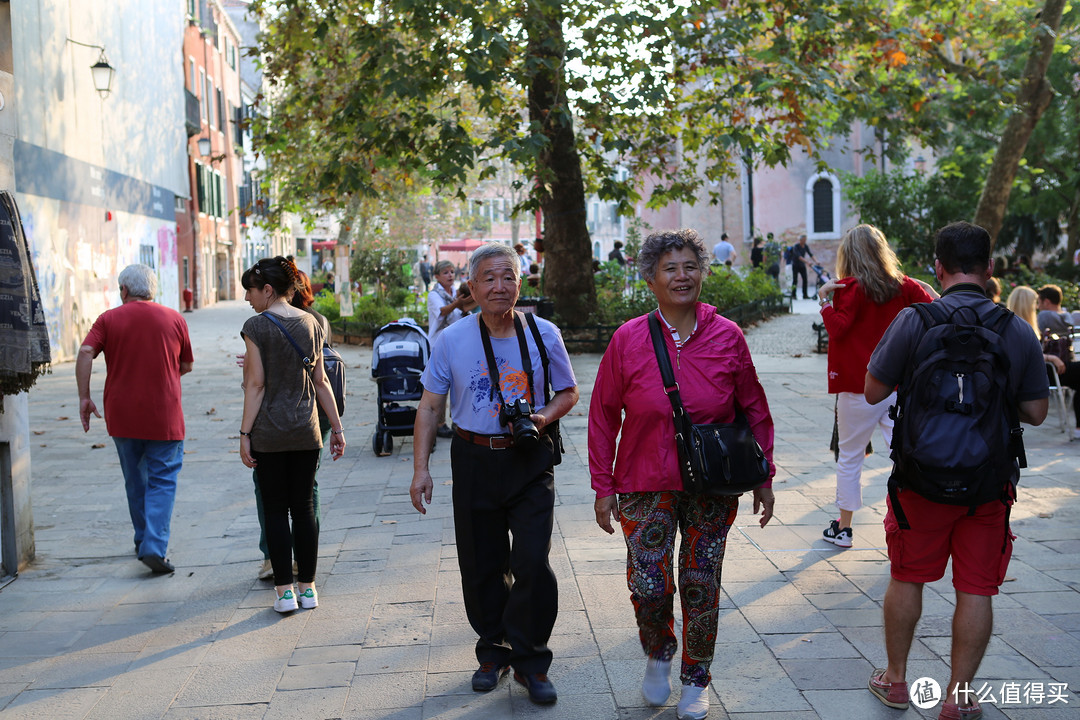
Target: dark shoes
{"x": 487, "y": 676}
{"x": 541, "y": 691}
{"x": 157, "y": 564}
{"x": 444, "y": 431}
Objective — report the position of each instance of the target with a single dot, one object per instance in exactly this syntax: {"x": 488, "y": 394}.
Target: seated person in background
{"x": 1052, "y": 320}
{"x": 533, "y": 279}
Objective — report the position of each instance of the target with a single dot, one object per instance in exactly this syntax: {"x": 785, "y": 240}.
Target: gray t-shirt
{"x": 288, "y": 417}
{"x": 1055, "y": 322}
{"x": 459, "y": 367}
{"x": 1027, "y": 371}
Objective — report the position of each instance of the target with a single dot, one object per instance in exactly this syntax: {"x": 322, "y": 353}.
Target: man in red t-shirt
{"x": 147, "y": 349}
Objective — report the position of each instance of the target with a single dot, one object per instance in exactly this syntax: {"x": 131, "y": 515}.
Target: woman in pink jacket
{"x": 638, "y": 484}
{"x": 856, "y": 310}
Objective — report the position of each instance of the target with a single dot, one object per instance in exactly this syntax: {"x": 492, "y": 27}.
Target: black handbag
{"x": 714, "y": 459}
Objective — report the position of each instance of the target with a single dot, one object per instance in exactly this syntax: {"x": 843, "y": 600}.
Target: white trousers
{"x": 856, "y": 420}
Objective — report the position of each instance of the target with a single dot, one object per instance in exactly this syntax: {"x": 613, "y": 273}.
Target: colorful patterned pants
{"x": 649, "y": 522}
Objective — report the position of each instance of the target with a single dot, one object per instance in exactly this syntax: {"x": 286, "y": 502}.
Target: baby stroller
{"x": 399, "y": 355}
{"x": 822, "y": 275}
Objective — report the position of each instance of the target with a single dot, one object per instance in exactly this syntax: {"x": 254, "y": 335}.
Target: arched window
{"x": 823, "y": 207}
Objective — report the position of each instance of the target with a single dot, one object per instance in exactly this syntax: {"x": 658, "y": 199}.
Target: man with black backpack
{"x": 968, "y": 373}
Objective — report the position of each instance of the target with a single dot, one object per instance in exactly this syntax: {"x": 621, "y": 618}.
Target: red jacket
{"x": 713, "y": 369}
{"x": 855, "y": 325}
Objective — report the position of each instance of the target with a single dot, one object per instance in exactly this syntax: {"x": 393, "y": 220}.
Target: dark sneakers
{"x": 487, "y": 676}
{"x": 157, "y": 564}
{"x": 540, "y": 689}
{"x": 838, "y": 536}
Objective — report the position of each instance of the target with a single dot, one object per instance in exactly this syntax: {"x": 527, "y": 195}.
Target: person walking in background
{"x": 1023, "y": 302}
{"x": 757, "y": 252}
{"x": 424, "y": 269}
{"x": 922, "y": 534}
{"x": 639, "y": 484}
{"x": 147, "y": 349}
{"x": 616, "y": 253}
{"x": 523, "y": 259}
{"x": 856, "y": 310}
{"x": 799, "y": 252}
{"x": 497, "y": 374}
{"x": 279, "y": 430}
{"x": 723, "y": 252}
{"x": 444, "y": 309}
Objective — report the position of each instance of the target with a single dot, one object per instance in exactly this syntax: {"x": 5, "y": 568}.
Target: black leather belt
{"x": 494, "y": 442}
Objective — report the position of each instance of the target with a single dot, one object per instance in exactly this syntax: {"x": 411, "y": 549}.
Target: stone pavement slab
{"x": 87, "y": 632}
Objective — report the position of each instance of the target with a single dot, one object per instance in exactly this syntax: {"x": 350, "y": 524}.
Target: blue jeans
{"x": 150, "y": 470}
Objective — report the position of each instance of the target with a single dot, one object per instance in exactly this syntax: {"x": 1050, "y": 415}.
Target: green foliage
{"x": 1035, "y": 279}
{"x": 726, "y": 288}
{"x": 909, "y": 207}
{"x": 622, "y": 297}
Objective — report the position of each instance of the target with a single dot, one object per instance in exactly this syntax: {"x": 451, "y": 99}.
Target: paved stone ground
{"x": 87, "y": 632}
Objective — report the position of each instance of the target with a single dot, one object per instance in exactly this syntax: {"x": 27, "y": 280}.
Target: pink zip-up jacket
{"x": 714, "y": 371}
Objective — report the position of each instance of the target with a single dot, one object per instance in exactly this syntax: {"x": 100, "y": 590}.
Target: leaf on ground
{"x": 211, "y": 411}
{"x": 63, "y": 417}
{"x": 97, "y": 446}
{"x": 389, "y": 522}
{"x": 39, "y": 432}
{"x": 1046, "y": 515}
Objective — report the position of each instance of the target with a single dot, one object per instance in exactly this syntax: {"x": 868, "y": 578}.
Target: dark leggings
{"x": 1071, "y": 379}
{"x": 286, "y": 480}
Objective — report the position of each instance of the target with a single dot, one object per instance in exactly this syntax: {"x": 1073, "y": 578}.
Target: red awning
{"x": 323, "y": 244}
{"x": 462, "y": 245}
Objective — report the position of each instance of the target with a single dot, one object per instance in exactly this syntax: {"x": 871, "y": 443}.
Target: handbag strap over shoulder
{"x": 307, "y": 361}
{"x": 671, "y": 388}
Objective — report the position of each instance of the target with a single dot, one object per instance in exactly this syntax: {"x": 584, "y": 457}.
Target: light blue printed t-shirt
{"x": 458, "y": 368}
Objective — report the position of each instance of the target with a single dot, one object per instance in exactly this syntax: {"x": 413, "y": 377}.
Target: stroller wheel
{"x": 383, "y": 443}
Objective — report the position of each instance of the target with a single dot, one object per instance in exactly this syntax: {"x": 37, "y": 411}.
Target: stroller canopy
{"x": 401, "y": 337}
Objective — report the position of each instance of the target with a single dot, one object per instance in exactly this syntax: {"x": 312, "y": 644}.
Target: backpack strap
{"x": 309, "y": 364}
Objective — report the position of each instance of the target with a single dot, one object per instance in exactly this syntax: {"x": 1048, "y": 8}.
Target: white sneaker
{"x": 694, "y": 703}
{"x": 656, "y": 687}
{"x": 286, "y": 603}
{"x": 309, "y": 599}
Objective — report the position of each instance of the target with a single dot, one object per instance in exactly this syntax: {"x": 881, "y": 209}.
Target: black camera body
{"x": 516, "y": 415}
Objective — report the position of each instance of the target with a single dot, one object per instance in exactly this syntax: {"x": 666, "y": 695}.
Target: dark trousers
{"x": 797, "y": 269}
{"x": 1071, "y": 379}
{"x": 511, "y": 596}
{"x": 286, "y": 480}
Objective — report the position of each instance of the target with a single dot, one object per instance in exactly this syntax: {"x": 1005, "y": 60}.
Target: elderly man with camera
{"x": 499, "y": 368}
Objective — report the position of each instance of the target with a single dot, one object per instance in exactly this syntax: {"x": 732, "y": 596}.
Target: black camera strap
{"x": 493, "y": 367}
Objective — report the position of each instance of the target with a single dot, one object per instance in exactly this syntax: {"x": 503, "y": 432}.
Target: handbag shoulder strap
{"x": 671, "y": 388}
{"x": 307, "y": 361}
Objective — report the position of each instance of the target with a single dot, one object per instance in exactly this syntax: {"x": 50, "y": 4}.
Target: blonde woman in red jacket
{"x": 857, "y": 309}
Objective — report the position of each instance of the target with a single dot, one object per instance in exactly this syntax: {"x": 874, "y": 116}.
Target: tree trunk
{"x": 568, "y": 277}
{"x": 1034, "y": 97}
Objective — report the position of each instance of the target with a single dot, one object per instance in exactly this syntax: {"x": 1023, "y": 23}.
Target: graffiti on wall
{"x": 78, "y": 254}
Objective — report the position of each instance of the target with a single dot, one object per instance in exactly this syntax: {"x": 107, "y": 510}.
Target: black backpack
{"x": 957, "y": 438}
{"x": 334, "y": 368}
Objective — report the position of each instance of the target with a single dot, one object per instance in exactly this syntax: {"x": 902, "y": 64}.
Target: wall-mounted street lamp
{"x": 101, "y": 71}
{"x": 205, "y": 150}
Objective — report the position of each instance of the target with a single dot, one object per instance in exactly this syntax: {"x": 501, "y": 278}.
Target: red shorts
{"x": 980, "y": 544}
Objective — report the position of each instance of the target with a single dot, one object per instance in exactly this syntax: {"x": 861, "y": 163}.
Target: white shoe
{"x": 694, "y": 703}
{"x": 309, "y": 599}
{"x": 286, "y": 603}
{"x": 656, "y": 687}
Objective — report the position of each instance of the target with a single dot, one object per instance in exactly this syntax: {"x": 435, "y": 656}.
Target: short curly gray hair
{"x": 493, "y": 251}
{"x": 659, "y": 243}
